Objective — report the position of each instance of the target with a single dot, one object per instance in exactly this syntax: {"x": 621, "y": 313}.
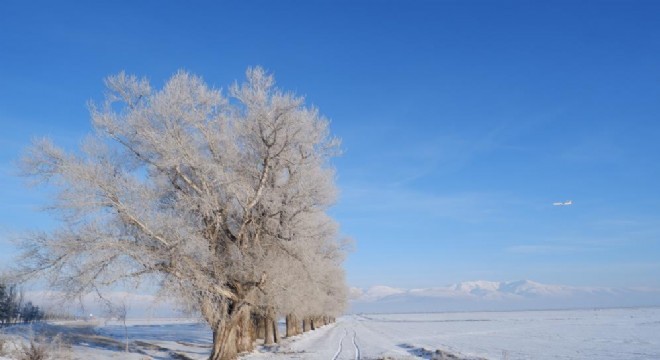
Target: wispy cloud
{"x": 596, "y": 148}
{"x": 387, "y": 202}
{"x": 404, "y": 158}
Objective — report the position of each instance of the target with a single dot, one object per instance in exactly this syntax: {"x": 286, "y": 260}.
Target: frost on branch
{"x": 220, "y": 200}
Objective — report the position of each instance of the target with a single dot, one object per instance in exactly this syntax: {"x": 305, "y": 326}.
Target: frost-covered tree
{"x": 11, "y": 304}
{"x": 31, "y": 313}
{"x": 207, "y": 196}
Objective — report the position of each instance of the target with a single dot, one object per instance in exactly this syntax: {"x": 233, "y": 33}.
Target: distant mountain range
{"x": 497, "y": 296}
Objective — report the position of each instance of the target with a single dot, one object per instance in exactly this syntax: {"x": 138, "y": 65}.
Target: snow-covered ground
{"x": 558, "y": 334}
{"x": 576, "y": 334}
{"x": 102, "y": 340}
{"x": 163, "y": 338}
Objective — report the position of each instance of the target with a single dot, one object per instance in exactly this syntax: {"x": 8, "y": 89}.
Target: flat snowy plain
{"x": 557, "y": 334}
{"x": 574, "y": 334}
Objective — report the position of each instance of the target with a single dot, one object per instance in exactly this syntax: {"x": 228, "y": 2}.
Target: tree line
{"x": 13, "y": 308}
{"x": 219, "y": 200}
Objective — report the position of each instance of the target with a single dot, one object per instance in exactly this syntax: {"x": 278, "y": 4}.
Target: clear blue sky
{"x": 462, "y": 121}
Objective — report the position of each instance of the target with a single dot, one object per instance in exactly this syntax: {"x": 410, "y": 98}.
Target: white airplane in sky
{"x": 565, "y": 203}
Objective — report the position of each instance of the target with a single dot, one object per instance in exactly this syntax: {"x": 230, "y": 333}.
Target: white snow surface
{"x": 556, "y": 334}
{"x": 102, "y": 340}
{"x": 575, "y": 334}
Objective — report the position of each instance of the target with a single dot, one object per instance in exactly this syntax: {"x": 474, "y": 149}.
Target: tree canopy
{"x": 219, "y": 200}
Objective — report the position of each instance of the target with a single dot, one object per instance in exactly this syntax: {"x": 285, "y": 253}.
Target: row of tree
{"x": 218, "y": 200}
{"x": 14, "y": 310}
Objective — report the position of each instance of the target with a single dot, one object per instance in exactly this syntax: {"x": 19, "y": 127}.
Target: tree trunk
{"x": 229, "y": 334}
{"x": 261, "y": 327}
{"x": 307, "y": 326}
{"x": 245, "y": 332}
{"x": 290, "y": 325}
{"x": 293, "y": 327}
{"x": 270, "y": 338}
{"x": 276, "y": 331}
{"x": 224, "y": 343}
{"x": 255, "y": 327}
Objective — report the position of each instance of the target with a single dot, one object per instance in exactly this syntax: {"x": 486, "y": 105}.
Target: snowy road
{"x": 351, "y": 338}
{"x": 339, "y": 341}
{"x": 346, "y": 351}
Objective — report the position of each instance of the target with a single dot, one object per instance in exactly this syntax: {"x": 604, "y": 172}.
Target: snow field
{"x": 578, "y": 334}
{"x": 568, "y": 334}
{"x": 630, "y": 334}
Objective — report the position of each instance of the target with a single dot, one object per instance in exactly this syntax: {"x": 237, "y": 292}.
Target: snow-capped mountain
{"x": 523, "y": 288}
{"x": 492, "y": 295}
{"x": 374, "y": 293}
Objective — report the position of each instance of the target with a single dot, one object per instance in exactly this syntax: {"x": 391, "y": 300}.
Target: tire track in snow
{"x": 357, "y": 348}
{"x": 341, "y": 342}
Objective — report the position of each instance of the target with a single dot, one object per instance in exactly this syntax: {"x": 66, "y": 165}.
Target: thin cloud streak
{"x": 547, "y": 249}
{"x": 364, "y": 201}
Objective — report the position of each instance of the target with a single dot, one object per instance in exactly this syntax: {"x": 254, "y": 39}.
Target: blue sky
{"x": 462, "y": 121}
